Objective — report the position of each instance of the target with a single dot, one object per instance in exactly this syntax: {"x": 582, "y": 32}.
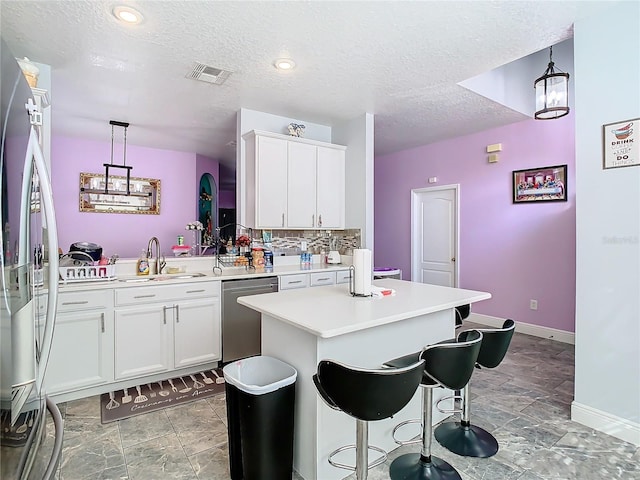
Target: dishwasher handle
{"x": 252, "y": 290}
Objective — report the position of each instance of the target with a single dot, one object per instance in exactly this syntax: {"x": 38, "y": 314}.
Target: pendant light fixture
{"x": 124, "y": 165}
{"x": 552, "y": 92}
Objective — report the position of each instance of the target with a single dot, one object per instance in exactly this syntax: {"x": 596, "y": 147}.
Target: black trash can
{"x": 260, "y": 408}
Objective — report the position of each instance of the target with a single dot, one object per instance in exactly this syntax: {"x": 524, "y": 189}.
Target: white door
{"x": 434, "y": 235}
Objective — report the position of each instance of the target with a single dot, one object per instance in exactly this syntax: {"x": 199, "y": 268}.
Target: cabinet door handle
{"x": 313, "y": 220}
{"x": 145, "y": 296}
{"x": 177, "y": 307}
{"x": 81, "y": 302}
{"x": 164, "y": 313}
{"x": 283, "y": 219}
{"x": 295, "y": 281}
{"x": 102, "y": 322}
{"x": 322, "y": 279}
{"x": 319, "y": 221}
{"x": 195, "y": 291}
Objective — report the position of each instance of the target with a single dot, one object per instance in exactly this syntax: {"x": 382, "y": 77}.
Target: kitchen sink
{"x": 181, "y": 275}
{"x": 162, "y": 277}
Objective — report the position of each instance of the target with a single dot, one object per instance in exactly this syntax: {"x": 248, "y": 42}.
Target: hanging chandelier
{"x": 124, "y": 165}
{"x": 552, "y": 93}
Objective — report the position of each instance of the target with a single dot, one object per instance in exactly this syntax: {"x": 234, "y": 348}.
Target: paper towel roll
{"x": 363, "y": 271}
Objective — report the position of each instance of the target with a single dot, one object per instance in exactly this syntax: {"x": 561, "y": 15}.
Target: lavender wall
{"x": 124, "y": 234}
{"x": 516, "y": 252}
{"x": 227, "y": 199}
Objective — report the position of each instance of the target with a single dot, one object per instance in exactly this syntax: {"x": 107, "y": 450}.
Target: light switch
{"x": 496, "y": 147}
{"x": 433, "y": 179}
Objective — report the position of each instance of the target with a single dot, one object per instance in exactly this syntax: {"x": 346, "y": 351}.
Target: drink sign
{"x": 621, "y": 144}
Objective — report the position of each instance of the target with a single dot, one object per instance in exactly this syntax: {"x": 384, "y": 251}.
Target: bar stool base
{"x": 412, "y": 467}
{"x": 468, "y": 441}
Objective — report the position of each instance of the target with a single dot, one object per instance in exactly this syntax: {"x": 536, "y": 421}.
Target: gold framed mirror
{"x": 143, "y": 197}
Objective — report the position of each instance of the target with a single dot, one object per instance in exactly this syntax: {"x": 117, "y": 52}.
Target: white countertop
{"x": 331, "y": 311}
{"x": 203, "y": 267}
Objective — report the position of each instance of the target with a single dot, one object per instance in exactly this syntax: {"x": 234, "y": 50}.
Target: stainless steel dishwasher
{"x": 241, "y": 326}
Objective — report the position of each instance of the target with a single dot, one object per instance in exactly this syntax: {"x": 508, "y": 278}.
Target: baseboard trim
{"x": 526, "y": 328}
{"x": 606, "y": 423}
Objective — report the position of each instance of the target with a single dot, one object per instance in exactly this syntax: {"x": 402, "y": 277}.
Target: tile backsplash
{"x": 288, "y": 242}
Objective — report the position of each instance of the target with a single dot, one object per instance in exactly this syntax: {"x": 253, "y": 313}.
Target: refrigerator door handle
{"x": 46, "y": 199}
{"x": 57, "y": 446}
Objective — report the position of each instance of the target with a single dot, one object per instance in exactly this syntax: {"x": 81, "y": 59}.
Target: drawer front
{"x": 342, "y": 276}
{"x": 82, "y": 300}
{"x": 165, "y": 293}
{"x": 323, "y": 278}
{"x": 288, "y": 282}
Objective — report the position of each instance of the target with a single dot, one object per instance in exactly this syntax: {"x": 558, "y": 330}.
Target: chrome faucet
{"x": 159, "y": 261}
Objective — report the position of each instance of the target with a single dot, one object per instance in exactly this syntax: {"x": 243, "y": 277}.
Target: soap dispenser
{"x": 142, "y": 267}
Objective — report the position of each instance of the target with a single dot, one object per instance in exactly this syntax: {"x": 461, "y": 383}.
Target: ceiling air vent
{"x": 206, "y": 73}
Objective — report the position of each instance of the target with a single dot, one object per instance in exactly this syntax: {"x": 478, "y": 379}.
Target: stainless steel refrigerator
{"x": 31, "y": 424}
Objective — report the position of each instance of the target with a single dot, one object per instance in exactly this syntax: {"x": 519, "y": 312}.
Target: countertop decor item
{"x": 621, "y": 144}
{"x": 197, "y": 228}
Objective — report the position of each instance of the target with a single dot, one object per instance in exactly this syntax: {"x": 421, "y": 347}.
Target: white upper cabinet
{"x": 330, "y": 188}
{"x": 271, "y": 182}
{"x": 299, "y": 183}
{"x": 301, "y": 188}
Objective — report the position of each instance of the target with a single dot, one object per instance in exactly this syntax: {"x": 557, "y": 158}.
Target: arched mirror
{"x": 208, "y": 207}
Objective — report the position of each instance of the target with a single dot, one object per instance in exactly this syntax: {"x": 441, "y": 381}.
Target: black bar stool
{"x": 447, "y": 364}
{"x": 462, "y": 437}
{"x": 366, "y": 395}
{"x": 462, "y": 312}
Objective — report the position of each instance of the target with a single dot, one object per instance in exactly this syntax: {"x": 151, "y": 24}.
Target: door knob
{"x": 453, "y": 259}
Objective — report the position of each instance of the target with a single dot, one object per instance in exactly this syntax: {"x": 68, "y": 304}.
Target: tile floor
{"x": 525, "y": 402}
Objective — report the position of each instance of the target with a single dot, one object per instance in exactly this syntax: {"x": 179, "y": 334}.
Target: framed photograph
{"x": 620, "y": 144}
{"x": 544, "y": 184}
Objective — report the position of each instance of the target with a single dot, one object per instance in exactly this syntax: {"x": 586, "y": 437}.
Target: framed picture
{"x": 620, "y": 144}
{"x": 544, "y": 184}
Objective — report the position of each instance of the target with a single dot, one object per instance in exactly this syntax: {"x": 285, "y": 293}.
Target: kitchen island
{"x": 302, "y": 327}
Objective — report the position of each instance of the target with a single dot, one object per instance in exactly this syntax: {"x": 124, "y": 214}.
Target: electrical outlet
{"x": 533, "y": 304}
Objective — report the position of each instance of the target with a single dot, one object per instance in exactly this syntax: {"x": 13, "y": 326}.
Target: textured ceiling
{"x": 400, "y": 61}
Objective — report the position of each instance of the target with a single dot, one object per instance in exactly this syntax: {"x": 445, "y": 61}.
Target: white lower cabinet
{"x": 315, "y": 279}
{"x": 166, "y": 327}
{"x": 343, "y": 276}
{"x": 322, "y": 278}
{"x": 289, "y": 282}
{"x": 82, "y": 349}
{"x": 196, "y": 333}
{"x": 142, "y": 341}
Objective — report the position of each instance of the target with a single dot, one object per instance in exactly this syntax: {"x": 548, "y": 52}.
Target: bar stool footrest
{"x": 402, "y": 424}
{"x": 467, "y": 441}
{"x": 450, "y": 410}
{"x": 375, "y": 463}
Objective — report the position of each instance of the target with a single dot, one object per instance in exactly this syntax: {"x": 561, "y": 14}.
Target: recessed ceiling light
{"x": 127, "y": 14}
{"x": 284, "y": 64}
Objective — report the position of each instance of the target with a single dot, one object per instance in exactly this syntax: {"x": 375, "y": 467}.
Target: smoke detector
{"x": 209, "y": 74}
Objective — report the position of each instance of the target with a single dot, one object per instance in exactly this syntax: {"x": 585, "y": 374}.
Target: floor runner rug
{"x": 149, "y": 397}
{"x": 16, "y": 435}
